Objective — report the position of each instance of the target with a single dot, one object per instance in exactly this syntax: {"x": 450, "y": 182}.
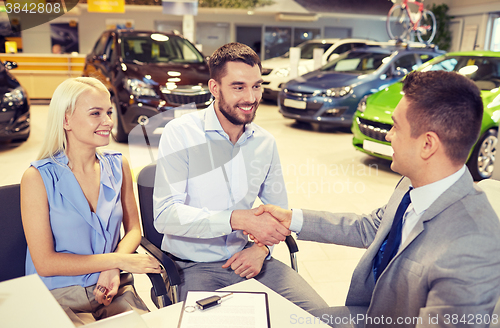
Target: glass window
{"x": 408, "y": 62}
{"x": 277, "y": 41}
{"x": 484, "y": 71}
{"x": 301, "y": 35}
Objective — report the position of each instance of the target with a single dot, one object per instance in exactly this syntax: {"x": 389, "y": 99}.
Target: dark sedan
{"x": 148, "y": 73}
{"x": 331, "y": 94}
{"x": 15, "y": 107}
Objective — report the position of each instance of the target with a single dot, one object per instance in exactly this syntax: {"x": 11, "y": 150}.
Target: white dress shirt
{"x": 202, "y": 177}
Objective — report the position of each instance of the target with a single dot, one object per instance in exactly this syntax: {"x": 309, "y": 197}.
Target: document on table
{"x": 241, "y": 310}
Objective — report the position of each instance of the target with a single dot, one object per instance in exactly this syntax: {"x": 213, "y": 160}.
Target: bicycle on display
{"x": 402, "y": 24}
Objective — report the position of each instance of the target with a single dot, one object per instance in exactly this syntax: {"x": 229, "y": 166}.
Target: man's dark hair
{"x": 234, "y": 51}
{"x": 448, "y": 104}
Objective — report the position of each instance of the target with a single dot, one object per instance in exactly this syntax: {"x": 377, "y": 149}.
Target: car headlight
{"x": 14, "y": 97}
{"x": 139, "y": 88}
{"x": 362, "y": 104}
{"x": 338, "y": 92}
{"x": 283, "y": 72}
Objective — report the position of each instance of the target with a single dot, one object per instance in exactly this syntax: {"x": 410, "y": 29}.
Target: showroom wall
{"x": 90, "y": 25}
{"x": 468, "y": 20}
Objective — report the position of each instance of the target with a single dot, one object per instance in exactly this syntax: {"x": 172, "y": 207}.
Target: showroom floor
{"x": 322, "y": 171}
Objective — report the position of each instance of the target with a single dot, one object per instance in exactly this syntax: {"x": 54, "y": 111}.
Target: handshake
{"x": 265, "y": 225}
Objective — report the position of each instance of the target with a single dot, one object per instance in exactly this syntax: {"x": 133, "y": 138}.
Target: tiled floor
{"x": 322, "y": 171}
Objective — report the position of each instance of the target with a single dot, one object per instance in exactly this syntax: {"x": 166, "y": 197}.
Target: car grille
{"x": 186, "y": 95}
{"x": 298, "y": 94}
{"x": 266, "y": 71}
{"x": 176, "y": 99}
{"x": 374, "y": 130}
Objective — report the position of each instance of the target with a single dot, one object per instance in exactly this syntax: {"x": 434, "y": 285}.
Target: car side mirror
{"x": 399, "y": 72}
{"x": 10, "y": 64}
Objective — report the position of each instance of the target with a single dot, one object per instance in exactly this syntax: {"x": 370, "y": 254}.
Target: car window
{"x": 358, "y": 45}
{"x": 172, "y": 49}
{"x": 424, "y": 58}
{"x": 109, "y": 48}
{"x": 342, "y": 48}
{"x": 408, "y": 62}
{"x": 356, "y": 62}
{"x": 100, "y": 44}
{"x": 484, "y": 71}
{"x": 307, "y": 51}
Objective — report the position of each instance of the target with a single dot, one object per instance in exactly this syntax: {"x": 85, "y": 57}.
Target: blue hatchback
{"x": 331, "y": 94}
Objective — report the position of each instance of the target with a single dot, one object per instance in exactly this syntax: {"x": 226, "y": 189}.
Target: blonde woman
{"x": 74, "y": 199}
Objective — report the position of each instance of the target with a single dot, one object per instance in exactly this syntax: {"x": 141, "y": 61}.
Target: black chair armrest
{"x": 292, "y": 245}
{"x": 293, "y": 248}
{"x": 159, "y": 288}
{"x": 167, "y": 263}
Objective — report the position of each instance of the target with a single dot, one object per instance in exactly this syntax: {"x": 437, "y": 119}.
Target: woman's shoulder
{"x": 58, "y": 160}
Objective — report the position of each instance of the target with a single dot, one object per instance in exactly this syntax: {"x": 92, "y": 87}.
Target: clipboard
{"x": 249, "y": 307}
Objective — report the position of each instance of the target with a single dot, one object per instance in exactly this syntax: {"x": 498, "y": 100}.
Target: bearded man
{"x": 212, "y": 165}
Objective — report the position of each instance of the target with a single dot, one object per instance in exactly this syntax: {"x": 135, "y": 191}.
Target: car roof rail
{"x": 410, "y": 45}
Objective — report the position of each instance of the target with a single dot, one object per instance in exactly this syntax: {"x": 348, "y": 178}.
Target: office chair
{"x": 12, "y": 241}
{"x": 13, "y": 244}
{"x": 145, "y": 183}
{"x": 492, "y": 190}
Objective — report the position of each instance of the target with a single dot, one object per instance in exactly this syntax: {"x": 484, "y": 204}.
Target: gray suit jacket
{"x": 449, "y": 266}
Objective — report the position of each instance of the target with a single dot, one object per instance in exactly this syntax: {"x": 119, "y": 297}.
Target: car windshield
{"x": 356, "y": 62}
{"x": 484, "y": 71}
{"x": 307, "y": 49}
{"x": 159, "y": 48}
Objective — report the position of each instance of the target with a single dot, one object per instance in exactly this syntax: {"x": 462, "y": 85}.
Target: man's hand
{"x": 263, "y": 227}
{"x": 107, "y": 286}
{"x": 282, "y": 215}
{"x": 248, "y": 262}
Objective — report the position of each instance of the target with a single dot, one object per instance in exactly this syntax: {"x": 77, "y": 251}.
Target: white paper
{"x": 241, "y": 310}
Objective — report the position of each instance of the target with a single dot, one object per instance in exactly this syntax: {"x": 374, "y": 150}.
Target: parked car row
{"x": 148, "y": 73}
{"x": 331, "y": 94}
{"x": 276, "y": 71}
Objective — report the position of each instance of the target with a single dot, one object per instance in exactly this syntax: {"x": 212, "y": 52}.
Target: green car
{"x": 372, "y": 119}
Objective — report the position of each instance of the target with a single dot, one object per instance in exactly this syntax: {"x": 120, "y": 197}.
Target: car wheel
{"x": 482, "y": 159}
{"x": 117, "y": 132}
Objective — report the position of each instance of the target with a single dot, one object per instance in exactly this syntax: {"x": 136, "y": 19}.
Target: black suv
{"x": 148, "y": 73}
{"x": 14, "y": 107}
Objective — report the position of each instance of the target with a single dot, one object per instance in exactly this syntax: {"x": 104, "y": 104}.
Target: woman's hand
{"x": 139, "y": 263}
{"x": 107, "y": 286}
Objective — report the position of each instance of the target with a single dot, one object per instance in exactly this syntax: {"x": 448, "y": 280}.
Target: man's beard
{"x": 234, "y": 119}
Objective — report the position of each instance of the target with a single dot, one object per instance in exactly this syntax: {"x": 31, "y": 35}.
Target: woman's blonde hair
{"x": 64, "y": 102}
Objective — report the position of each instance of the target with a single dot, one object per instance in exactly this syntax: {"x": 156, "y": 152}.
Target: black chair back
{"x": 12, "y": 240}
{"x": 145, "y": 183}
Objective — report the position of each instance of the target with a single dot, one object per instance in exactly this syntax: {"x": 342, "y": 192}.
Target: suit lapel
{"x": 457, "y": 191}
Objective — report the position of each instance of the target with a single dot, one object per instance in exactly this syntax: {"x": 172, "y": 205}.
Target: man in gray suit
{"x": 435, "y": 263}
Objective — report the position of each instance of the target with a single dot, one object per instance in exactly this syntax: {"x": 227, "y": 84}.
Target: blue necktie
{"x": 390, "y": 246}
